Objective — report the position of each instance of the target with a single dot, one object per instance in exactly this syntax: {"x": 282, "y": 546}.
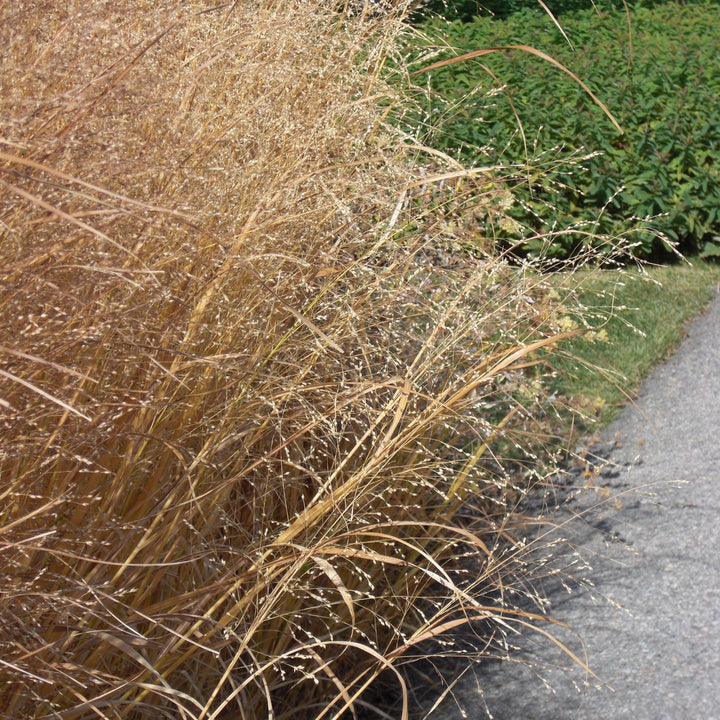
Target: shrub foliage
{"x": 466, "y": 10}
{"x": 655, "y": 69}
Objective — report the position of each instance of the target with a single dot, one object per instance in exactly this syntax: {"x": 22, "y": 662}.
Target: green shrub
{"x": 466, "y": 10}
{"x": 656, "y": 185}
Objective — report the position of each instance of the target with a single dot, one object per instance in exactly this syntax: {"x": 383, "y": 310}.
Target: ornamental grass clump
{"x": 256, "y": 392}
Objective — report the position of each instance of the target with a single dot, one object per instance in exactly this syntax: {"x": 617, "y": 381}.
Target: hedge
{"x": 661, "y": 81}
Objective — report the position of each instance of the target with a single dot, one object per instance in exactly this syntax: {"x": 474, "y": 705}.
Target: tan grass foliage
{"x": 244, "y": 394}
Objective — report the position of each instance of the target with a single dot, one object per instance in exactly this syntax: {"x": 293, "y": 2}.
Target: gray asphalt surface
{"x": 650, "y": 531}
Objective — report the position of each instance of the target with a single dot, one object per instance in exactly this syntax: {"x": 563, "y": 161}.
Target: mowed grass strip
{"x": 639, "y": 317}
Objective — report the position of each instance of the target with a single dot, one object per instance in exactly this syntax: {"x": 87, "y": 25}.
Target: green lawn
{"x": 639, "y": 317}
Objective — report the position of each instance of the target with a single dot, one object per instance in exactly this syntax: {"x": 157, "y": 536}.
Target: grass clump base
{"x": 250, "y": 376}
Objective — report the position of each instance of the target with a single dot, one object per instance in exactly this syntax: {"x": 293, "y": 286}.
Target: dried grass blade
{"x": 440, "y": 629}
{"x": 557, "y": 24}
{"x": 70, "y": 218}
{"x": 44, "y": 394}
{"x": 8, "y": 157}
{"x": 22, "y": 671}
{"x": 479, "y": 451}
{"x": 370, "y": 555}
{"x": 384, "y": 662}
{"x": 46, "y": 508}
{"x": 42, "y": 361}
{"x": 324, "y": 666}
{"x": 536, "y": 628}
{"x": 532, "y": 51}
{"x": 334, "y": 577}
{"x": 402, "y": 396}
{"x": 298, "y": 316}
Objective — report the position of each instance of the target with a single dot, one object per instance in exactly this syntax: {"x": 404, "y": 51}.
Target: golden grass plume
{"x": 244, "y": 392}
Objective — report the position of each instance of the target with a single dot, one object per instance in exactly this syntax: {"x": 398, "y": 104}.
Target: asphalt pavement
{"x": 645, "y": 611}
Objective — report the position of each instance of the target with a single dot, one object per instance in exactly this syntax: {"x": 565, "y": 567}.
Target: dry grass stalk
{"x": 241, "y": 395}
